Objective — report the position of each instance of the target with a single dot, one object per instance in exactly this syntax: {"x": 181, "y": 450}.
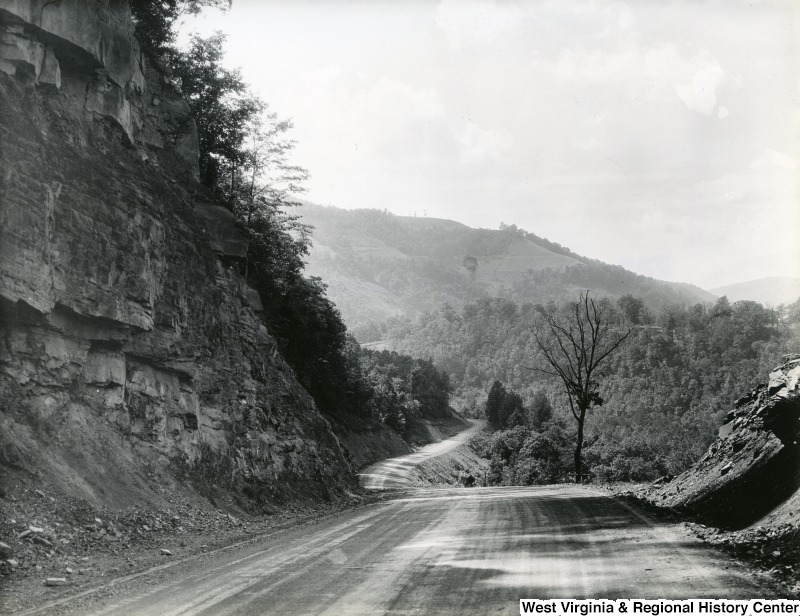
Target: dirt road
{"x": 440, "y": 551}
{"x": 393, "y": 473}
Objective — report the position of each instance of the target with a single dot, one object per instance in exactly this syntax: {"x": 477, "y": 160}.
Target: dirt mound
{"x": 459, "y": 467}
{"x": 375, "y": 441}
{"x": 423, "y": 431}
{"x": 752, "y": 471}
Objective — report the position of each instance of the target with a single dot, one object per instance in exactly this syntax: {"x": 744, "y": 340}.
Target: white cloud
{"x": 700, "y": 94}
{"x": 399, "y": 121}
{"x": 319, "y": 81}
{"x": 774, "y": 159}
{"x": 593, "y": 66}
{"x": 647, "y": 72}
{"x": 479, "y": 144}
{"x": 586, "y": 144}
{"x": 477, "y": 22}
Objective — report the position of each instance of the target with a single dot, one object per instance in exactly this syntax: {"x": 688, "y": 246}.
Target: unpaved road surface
{"x": 439, "y": 551}
{"x": 394, "y": 472}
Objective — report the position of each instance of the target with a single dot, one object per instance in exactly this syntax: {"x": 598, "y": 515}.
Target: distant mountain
{"x": 378, "y": 265}
{"x": 768, "y": 291}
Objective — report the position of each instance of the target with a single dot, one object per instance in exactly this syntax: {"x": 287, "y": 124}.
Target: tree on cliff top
{"x": 262, "y": 178}
{"x": 156, "y": 23}
{"x": 572, "y": 344}
{"x": 223, "y": 108}
{"x": 244, "y": 148}
{"x": 244, "y": 161}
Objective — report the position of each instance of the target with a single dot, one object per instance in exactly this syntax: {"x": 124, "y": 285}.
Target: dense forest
{"x": 245, "y": 165}
{"x": 404, "y": 390}
{"x": 665, "y": 389}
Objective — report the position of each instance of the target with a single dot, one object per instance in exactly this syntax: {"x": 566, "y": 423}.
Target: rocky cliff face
{"x": 128, "y": 339}
{"x": 753, "y": 468}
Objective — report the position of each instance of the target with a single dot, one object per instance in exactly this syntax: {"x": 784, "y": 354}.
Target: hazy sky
{"x": 658, "y": 135}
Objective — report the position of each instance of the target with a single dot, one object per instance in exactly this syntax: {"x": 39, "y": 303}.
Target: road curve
{"x": 439, "y": 551}
{"x": 394, "y": 472}
{"x": 444, "y": 551}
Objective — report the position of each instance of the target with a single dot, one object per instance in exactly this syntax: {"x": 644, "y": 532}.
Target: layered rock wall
{"x": 754, "y": 465}
{"x": 128, "y": 339}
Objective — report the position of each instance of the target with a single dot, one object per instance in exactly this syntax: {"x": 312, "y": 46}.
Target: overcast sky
{"x": 658, "y": 135}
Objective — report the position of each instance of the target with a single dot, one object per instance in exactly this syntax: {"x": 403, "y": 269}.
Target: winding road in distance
{"x": 443, "y": 551}
{"x": 394, "y": 472}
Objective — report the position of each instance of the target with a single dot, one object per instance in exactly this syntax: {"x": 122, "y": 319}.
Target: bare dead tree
{"x": 573, "y": 345}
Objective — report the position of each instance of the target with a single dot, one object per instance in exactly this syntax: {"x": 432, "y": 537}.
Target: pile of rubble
{"x": 53, "y": 534}
{"x": 772, "y": 548}
{"x": 49, "y": 539}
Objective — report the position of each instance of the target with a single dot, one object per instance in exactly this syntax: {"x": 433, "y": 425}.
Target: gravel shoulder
{"x": 47, "y": 535}
{"x": 770, "y": 549}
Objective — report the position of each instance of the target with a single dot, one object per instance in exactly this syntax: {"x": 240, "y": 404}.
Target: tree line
{"x": 403, "y": 389}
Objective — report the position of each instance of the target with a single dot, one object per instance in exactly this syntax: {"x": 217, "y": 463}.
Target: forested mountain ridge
{"x": 378, "y": 265}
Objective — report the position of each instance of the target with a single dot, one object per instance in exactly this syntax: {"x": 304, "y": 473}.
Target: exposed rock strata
{"x": 754, "y": 465}
{"x": 128, "y": 338}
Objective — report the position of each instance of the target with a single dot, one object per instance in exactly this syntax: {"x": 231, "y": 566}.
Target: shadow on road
{"x": 569, "y": 546}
